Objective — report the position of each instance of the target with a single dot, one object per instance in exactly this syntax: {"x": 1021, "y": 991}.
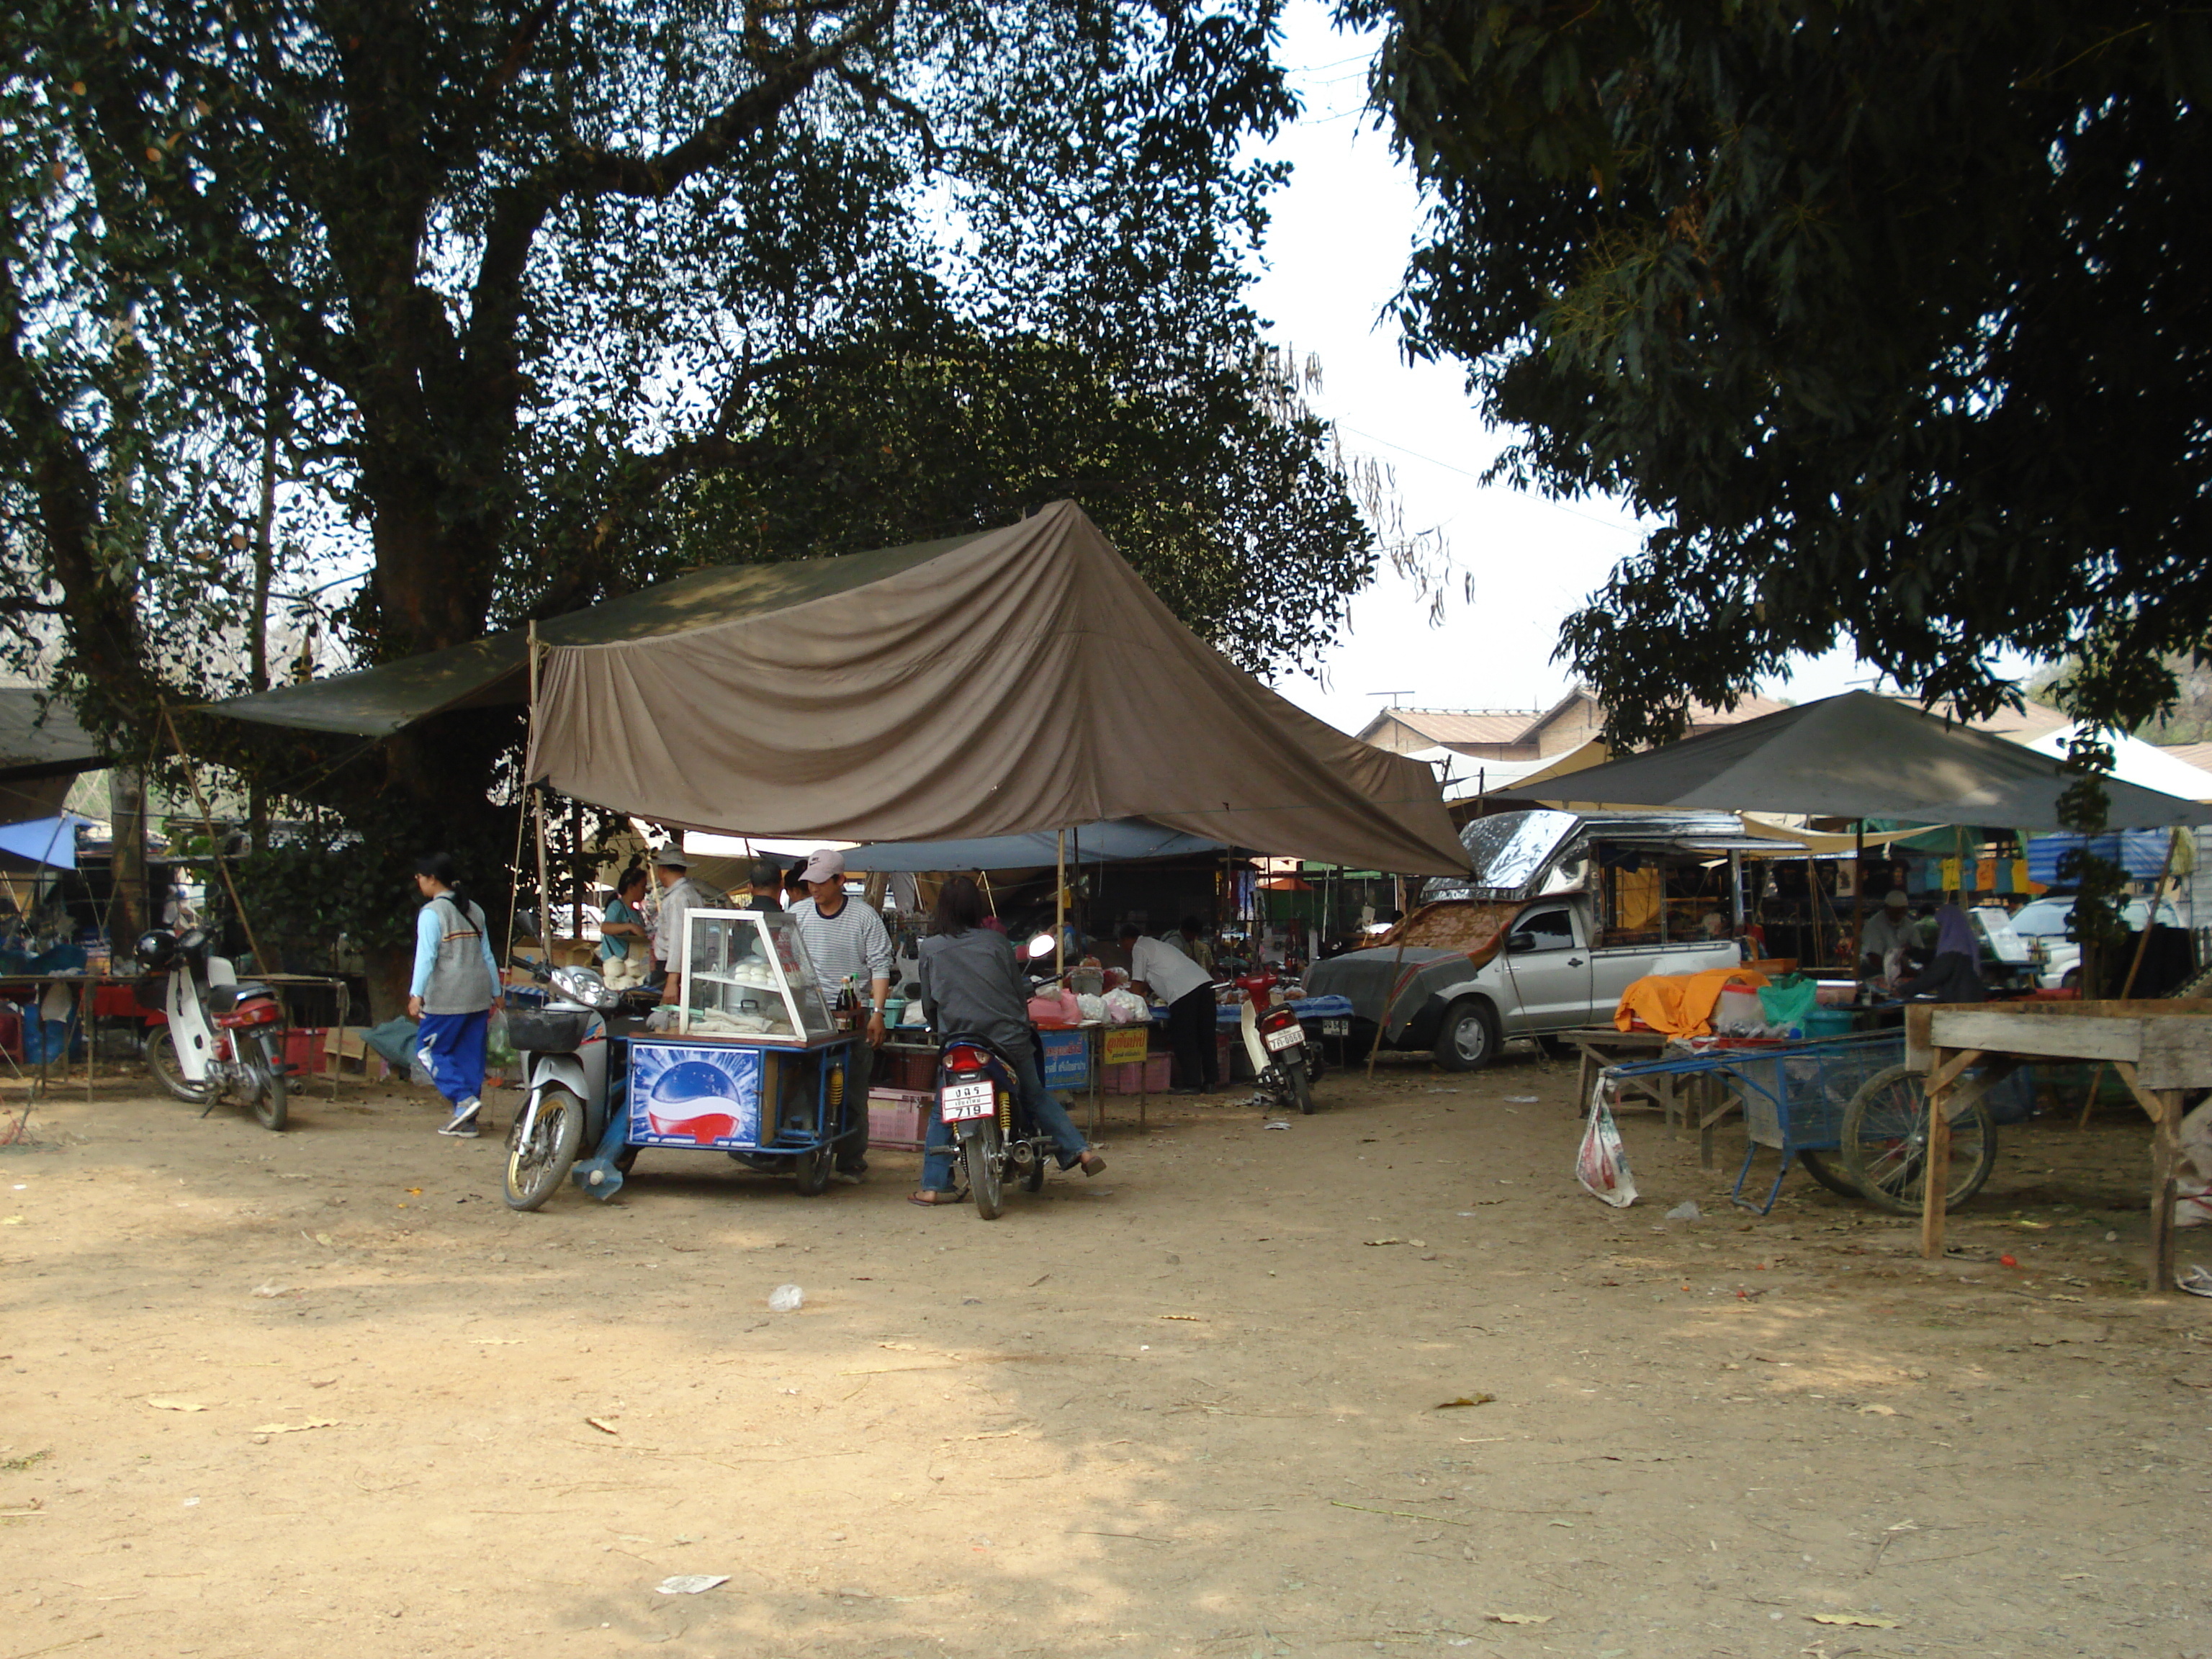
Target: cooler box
{"x": 898, "y": 1118}
{"x": 1147, "y": 1077}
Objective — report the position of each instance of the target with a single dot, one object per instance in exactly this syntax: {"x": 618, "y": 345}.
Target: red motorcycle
{"x": 1276, "y": 1044}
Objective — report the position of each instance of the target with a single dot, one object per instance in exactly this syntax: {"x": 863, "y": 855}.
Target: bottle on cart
{"x": 849, "y": 1003}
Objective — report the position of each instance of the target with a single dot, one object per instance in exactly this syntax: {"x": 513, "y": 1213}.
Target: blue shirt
{"x": 613, "y": 948}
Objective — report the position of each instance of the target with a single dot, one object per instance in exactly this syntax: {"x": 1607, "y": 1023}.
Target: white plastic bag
{"x": 1127, "y": 1008}
{"x": 1602, "y": 1165}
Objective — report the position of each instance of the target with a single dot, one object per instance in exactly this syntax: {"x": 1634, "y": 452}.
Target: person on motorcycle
{"x": 971, "y": 984}
{"x": 451, "y": 996}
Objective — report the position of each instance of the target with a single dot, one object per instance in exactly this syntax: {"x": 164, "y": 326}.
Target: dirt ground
{"x": 322, "y": 1393}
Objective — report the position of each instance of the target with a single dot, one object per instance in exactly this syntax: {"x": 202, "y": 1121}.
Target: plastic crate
{"x": 898, "y": 1118}
{"x": 1147, "y": 1077}
{"x": 303, "y": 1050}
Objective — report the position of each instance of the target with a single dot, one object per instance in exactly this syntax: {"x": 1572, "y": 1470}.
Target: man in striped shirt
{"x": 845, "y": 938}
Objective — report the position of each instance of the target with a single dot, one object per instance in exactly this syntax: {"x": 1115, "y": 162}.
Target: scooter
{"x": 978, "y": 1098}
{"x": 1276, "y": 1044}
{"x": 566, "y": 1046}
{"x": 221, "y": 1034}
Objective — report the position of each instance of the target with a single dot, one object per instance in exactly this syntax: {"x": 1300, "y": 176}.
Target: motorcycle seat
{"x": 222, "y": 998}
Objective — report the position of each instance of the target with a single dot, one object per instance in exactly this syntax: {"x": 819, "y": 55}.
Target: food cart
{"x": 756, "y": 1068}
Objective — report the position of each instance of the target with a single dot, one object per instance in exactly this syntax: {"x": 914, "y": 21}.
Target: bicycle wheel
{"x": 1885, "y": 1146}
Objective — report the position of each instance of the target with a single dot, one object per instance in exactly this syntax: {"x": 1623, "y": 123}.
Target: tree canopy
{"x": 1893, "y": 314}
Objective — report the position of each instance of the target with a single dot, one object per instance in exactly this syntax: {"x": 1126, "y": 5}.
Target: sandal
{"x": 933, "y": 1200}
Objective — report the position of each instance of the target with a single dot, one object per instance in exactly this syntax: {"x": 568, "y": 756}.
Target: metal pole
{"x": 1858, "y": 900}
{"x": 1059, "y": 905}
{"x": 537, "y": 799}
{"x": 1735, "y": 892}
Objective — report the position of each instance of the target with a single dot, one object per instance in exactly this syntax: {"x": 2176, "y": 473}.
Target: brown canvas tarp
{"x": 1018, "y": 680}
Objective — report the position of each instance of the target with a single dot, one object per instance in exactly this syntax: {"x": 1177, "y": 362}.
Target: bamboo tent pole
{"x": 537, "y": 799}
{"x": 261, "y": 963}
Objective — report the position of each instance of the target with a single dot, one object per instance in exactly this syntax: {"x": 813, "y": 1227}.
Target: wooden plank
{"x": 2177, "y": 1052}
{"x": 1918, "y": 1045}
{"x": 2004, "y": 1032}
{"x": 1947, "y": 1073}
{"x": 2165, "y": 1161}
{"x": 1934, "y": 1189}
{"x": 2112, "y": 1008}
{"x": 2150, "y": 1102}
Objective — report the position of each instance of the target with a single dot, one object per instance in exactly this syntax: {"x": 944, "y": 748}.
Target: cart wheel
{"x": 1833, "y": 1176}
{"x": 1885, "y": 1144}
{"x": 626, "y": 1159}
{"x": 981, "y": 1153}
{"x": 813, "y": 1169}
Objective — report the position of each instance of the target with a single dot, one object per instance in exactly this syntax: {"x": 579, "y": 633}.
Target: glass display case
{"x": 746, "y": 974}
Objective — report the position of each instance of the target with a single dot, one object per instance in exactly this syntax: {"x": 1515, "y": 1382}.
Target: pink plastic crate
{"x": 1147, "y": 1077}
{"x": 898, "y": 1118}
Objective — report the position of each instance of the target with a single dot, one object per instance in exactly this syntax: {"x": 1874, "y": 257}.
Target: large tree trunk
{"x": 131, "y": 909}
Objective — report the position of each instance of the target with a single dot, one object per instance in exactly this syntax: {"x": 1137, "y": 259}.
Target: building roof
{"x": 1451, "y": 726}
{"x": 2198, "y": 754}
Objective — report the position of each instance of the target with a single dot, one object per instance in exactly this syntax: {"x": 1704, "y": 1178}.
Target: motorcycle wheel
{"x": 265, "y": 1075}
{"x": 813, "y": 1169}
{"x": 540, "y": 1163}
{"x": 981, "y": 1153}
{"x": 1033, "y": 1176}
{"x": 169, "y": 1071}
{"x": 1300, "y": 1086}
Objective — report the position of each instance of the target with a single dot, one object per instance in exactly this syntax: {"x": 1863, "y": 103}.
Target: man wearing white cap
{"x": 846, "y": 939}
{"x": 1889, "y": 937}
{"x": 679, "y": 894}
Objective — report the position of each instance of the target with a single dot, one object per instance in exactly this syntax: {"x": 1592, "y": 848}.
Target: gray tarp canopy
{"x": 1013, "y": 681}
{"x": 1862, "y": 755}
{"x": 42, "y": 750}
{"x": 1112, "y": 841}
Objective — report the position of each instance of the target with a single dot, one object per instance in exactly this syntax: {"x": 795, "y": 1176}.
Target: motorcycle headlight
{"x": 585, "y": 986}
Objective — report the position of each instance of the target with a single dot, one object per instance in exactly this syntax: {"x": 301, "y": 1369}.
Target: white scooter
{"x": 222, "y": 1036}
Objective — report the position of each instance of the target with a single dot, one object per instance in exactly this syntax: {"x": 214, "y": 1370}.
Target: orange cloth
{"x": 1680, "y": 1005}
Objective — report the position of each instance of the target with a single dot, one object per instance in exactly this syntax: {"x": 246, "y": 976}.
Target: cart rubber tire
{"x": 1300, "y": 1084}
{"x": 536, "y": 1168}
{"x": 271, "y": 1096}
{"x": 812, "y": 1169}
{"x": 1468, "y": 1040}
{"x": 161, "y": 1060}
{"x": 626, "y": 1159}
{"x": 1833, "y": 1176}
{"x": 979, "y": 1152}
{"x": 1886, "y": 1127}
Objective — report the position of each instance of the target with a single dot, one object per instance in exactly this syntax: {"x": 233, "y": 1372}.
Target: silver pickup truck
{"x": 1563, "y": 911}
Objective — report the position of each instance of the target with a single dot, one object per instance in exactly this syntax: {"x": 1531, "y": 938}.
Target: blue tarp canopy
{"x": 1108, "y": 840}
{"x": 51, "y": 842}
{"x": 2139, "y": 852}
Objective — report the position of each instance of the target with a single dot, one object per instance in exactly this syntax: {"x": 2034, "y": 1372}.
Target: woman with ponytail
{"x": 456, "y": 982}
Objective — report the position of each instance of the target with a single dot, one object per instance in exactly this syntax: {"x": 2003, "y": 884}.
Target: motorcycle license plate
{"x": 1289, "y": 1037}
{"x": 1336, "y": 1028}
{"x": 957, "y": 1101}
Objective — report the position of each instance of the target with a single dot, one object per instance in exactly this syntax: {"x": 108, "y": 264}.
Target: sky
{"x": 1335, "y": 252}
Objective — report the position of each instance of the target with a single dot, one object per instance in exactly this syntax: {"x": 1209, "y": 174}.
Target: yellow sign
{"x": 1126, "y": 1043}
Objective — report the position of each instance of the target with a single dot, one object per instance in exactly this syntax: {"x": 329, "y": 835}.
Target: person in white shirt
{"x": 846, "y": 939}
{"x": 1165, "y": 974}
{"x": 679, "y": 893}
{"x": 1889, "y": 940}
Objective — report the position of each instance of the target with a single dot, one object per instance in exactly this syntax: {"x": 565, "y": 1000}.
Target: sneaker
{"x": 846, "y": 1177}
{"x": 464, "y": 1124}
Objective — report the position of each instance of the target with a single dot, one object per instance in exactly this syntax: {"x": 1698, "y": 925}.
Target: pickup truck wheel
{"x": 1468, "y": 1040}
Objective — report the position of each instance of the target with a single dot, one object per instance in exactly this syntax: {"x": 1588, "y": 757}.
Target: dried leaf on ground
{"x": 1867, "y": 1620}
{"x": 1464, "y": 1399}
{"x": 163, "y": 1403}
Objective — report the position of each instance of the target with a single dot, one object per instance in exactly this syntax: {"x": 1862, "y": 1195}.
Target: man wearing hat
{"x": 1889, "y": 937}
{"x": 679, "y": 893}
{"x": 844, "y": 938}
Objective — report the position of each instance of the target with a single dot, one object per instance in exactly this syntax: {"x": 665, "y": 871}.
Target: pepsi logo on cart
{"x": 682, "y": 1096}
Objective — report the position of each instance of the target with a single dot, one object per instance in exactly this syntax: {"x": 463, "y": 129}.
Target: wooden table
{"x": 1700, "y": 1101}
{"x": 2158, "y": 1049}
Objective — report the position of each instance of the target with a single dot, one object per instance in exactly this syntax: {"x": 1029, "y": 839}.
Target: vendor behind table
{"x": 679, "y": 892}
{"x": 845, "y": 939}
{"x": 1163, "y": 973}
{"x": 1890, "y": 940}
{"x": 624, "y": 919}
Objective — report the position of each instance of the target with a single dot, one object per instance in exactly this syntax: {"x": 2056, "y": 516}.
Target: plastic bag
{"x": 1056, "y": 1006}
{"x": 1786, "y": 1001}
{"x": 1127, "y": 1008}
{"x": 1602, "y": 1165}
{"x": 1092, "y": 1007}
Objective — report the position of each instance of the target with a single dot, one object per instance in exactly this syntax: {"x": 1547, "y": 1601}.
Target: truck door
{"x": 1549, "y": 966}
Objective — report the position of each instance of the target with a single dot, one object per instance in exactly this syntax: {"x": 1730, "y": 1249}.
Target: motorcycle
{"x": 1276, "y": 1044}
{"x": 221, "y": 1036}
{"x": 998, "y": 1142}
{"x": 563, "y": 1038}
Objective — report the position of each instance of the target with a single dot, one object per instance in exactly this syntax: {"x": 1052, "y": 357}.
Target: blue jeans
{"x": 451, "y": 1047}
{"x": 940, "y": 1150}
